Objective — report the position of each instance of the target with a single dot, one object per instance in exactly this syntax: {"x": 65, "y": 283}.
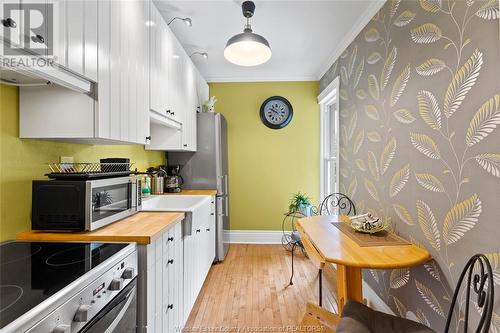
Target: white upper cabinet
{"x": 75, "y": 36}
{"x": 123, "y": 87}
{"x": 160, "y": 49}
{"x": 177, "y": 91}
{"x": 192, "y": 106}
{"x": 118, "y": 110}
{"x": 142, "y": 86}
{"x": 69, "y": 40}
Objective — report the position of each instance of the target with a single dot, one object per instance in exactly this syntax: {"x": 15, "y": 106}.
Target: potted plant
{"x": 209, "y": 105}
{"x": 300, "y": 203}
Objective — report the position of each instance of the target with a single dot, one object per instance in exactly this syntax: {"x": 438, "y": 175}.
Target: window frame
{"x": 327, "y": 98}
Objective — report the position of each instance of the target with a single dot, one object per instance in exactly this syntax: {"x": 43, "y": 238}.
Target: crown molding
{"x": 221, "y": 79}
{"x": 362, "y": 21}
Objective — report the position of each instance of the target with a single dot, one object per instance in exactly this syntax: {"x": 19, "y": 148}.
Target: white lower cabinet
{"x": 199, "y": 254}
{"x": 161, "y": 310}
{"x": 173, "y": 269}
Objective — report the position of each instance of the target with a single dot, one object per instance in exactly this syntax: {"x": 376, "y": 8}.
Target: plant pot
{"x": 305, "y": 210}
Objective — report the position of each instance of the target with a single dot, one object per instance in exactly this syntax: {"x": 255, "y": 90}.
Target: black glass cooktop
{"x": 32, "y": 272}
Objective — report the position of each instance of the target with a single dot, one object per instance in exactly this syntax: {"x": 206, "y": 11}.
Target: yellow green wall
{"x": 266, "y": 166}
{"x": 24, "y": 160}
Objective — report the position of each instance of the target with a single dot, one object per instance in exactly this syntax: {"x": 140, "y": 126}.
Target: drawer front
{"x": 171, "y": 237}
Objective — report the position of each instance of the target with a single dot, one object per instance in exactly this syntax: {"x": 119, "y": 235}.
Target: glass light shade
{"x": 247, "y": 49}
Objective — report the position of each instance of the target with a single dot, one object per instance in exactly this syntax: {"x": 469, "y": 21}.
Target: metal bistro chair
{"x": 335, "y": 203}
{"x": 358, "y": 318}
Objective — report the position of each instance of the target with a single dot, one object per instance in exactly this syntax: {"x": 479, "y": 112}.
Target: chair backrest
{"x": 480, "y": 281}
{"x": 337, "y": 203}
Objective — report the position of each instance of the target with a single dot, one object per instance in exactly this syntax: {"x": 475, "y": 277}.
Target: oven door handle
{"x": 122, "y": 312}
{"x": 102, "y": 322}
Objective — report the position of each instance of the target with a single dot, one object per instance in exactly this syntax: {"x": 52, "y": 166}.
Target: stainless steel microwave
{"x": 83, "y": 205}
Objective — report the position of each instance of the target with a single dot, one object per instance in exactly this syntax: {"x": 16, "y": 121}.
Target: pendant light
{"x": 247, "y": 48}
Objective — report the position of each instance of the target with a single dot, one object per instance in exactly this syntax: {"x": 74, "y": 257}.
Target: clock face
{"x": 276, "y": 112}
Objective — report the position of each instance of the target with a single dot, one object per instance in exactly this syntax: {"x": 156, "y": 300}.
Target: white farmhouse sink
{"x": 174, "y": 203}
{"x": 196, "y": 208}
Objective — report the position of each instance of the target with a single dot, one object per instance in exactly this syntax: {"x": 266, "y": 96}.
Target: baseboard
{"x": 374, "y": 301}
{"x": 253, "y": 236}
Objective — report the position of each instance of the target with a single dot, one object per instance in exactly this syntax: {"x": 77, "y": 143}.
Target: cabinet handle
{"x": 38, "y": 39}
{"x": 170, "y": 261}
{"x": 212, "y": 214}
{"x": 170, "y": 306}
{"x": 172, "y": 113}
{"x": 185, "y": 145}
{"x": 168, "y": 111}
{"x": 170, "y": 239}
{"x": 208, "y": 229}
{"x": 9, "y": 23}
{"x": 148, "y": 138}
{"x": 198, "y": 230}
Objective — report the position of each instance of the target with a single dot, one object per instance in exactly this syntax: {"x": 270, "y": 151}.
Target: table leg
{"x": 349, "y": 285}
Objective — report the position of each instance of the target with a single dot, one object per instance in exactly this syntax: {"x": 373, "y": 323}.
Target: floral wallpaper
{"x": 419, "y": 111}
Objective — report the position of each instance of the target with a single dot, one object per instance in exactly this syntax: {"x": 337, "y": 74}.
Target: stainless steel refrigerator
{"x": 207, "y": 168}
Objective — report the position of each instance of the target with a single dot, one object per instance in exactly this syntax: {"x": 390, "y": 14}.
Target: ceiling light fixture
{"x": 247, "y": 48}
{"x": 204, "y": 55}
{"x": 187, "y": 21}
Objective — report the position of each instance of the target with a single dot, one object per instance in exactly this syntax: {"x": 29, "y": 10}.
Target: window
{"x": 329, "y": 141}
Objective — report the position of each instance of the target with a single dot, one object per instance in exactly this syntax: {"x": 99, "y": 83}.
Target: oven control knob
{"x": 128, "y": 273}
{"x": 116, "y": 284}
{"x": 81, "y": 315}
{"x": 62, "y": 329}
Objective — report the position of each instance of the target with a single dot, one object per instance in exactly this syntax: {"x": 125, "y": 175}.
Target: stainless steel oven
{"x": 79, "y": 205}
{"x": 118, "y": 316}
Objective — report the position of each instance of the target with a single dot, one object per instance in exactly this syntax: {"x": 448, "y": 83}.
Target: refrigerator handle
{"x": 226, "y": 190}
{"x": 220, "y": 184}
{"x": 226, "y": 211}
{"x": 220, "y": 207}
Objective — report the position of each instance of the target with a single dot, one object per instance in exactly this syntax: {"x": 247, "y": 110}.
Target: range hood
{"x": 25, "y": 76}
{"x": 10, "y": 77}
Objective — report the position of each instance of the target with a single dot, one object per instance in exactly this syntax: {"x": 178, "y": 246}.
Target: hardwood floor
{"x": 249, "y": 291}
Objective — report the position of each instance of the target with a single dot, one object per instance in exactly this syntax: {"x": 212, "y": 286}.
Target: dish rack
{"x": 76, "y": 171}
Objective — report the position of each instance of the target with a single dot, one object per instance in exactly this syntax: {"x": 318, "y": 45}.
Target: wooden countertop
{"x": 194, "y": 192}
{"x": 336, "y": 247}
{"x": 140, "y": 228}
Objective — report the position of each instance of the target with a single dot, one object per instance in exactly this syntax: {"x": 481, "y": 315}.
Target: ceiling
{"x": 305, "y": 36}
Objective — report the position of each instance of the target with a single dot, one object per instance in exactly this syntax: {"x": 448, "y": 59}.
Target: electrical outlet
{"x": 66, "y": 159}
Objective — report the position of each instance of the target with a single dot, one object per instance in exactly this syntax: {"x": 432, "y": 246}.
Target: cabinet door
{"x": 178, "y": 280}
{"x": 155, "y": 47}
{"x": 190, "y": 104}
{"x": 13, "y": 34}
{"x": 134, "y": 76}
{"x": 81, "y": 37}
{"x": 177, "y": 78}
{"x": 142, "y": 66}
{"x": 160, "y": 49}
{"x": 123, "y": 95}
{"x": 74, "y": 36}
{"x": 158, "y": 292}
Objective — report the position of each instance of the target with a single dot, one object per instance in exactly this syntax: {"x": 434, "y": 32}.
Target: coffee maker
{"x": 173, "y": 181}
